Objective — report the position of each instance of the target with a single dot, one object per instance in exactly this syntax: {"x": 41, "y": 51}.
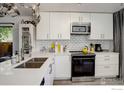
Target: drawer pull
{"x": 106, "y": 59}
{"x": 106, "y": 67}
{"x": 106, "y": 56}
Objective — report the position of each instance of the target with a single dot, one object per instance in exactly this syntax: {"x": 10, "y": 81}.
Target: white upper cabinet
{"x": 56, "y": 25}
{"x": 80, "y": 17}
{"x": 43, "y": 30}
{"x": 101, "y": 26}
{"x": 60, "y": 25}
{"x": 53, "y": 26}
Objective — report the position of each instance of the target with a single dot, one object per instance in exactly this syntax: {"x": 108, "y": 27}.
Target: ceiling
{"x": 82, "y": 7}
{"x": 71, "y": 7}
{"x": 24, "y": 11}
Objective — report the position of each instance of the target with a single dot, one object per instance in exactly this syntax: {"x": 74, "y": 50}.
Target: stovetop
{"x": 79, "y": 53}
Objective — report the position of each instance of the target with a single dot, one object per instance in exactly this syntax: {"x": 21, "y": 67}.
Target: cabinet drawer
{"x": 106, "y": 59}
{"x": 106, "y": 70}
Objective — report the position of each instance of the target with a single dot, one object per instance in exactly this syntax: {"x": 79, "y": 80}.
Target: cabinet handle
{"x": 106, "y": 56}
{"x": 47, "y": 36}
{"x": 50, "y": 68}
{"x": 106, "y": 59}
{"x": 79, "y": 19}
{"x": 60, "y": 35}
{"x": 101, "y": 35}
{"x": 106, "y": 67}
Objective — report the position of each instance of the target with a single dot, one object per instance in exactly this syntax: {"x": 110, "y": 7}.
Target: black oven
{"x": 83, "y": 65}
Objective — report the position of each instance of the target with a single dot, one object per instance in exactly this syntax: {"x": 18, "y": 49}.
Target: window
{"x": 6, "y": 40}
{"x": 6, "y": 34}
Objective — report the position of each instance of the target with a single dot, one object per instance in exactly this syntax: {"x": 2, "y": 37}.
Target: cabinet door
{"x": 62, "y": 67}
{"x": 108, "y": 33}
{"x": 50, "y": 72}
{"x": 107, "y": 58}
{"x": 101, "y": 26}
{"x": 80, "y": 17}
{"x": 106, "y": 64}
{"x": 106, "y": 71}
{"x": 75, "y": 17}
{"x": 43, "y": 30}
{"x": 47, "y": 76}
{"x": 85, "y": 17}
{"x": 60, "y": 25}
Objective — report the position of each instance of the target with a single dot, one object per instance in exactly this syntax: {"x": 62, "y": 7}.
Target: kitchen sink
{"x": 33, "y": 63}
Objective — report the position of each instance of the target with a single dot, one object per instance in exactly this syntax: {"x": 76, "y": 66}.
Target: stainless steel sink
{"x": 33, "y": 63}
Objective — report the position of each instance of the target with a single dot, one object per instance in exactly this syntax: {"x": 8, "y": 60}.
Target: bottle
{"x": 62, "y": 48}
{"x": 56, "y": 48}
{"x": 17, "y": 57}
{"x": 92, "y": 48}
{"x": 13, "y": 60}
{"x": 53, "y": 45}
{"x": 59, "y": 47}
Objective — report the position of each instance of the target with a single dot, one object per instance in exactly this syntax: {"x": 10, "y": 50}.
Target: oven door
{"x": 82, "y": 66}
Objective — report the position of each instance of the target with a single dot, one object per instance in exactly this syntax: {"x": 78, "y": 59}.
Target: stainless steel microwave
{"x": 80, "y": 28}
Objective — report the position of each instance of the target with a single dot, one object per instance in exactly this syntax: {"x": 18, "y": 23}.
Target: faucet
{"x": 43, "y": 49}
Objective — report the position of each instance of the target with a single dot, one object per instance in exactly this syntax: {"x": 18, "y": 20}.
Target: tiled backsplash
{"x": 77, "y": 42}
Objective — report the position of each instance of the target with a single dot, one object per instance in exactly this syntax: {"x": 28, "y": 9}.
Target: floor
{"x": 110, "y": 81}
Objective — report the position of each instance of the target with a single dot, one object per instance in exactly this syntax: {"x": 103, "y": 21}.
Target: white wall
{"x": 16, "y": 21}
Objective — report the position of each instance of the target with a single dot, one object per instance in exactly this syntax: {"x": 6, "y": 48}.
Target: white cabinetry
{"x": 62, "y": 67}
{"x": 60, "y": 25}
{"x": 43, "y": 27}
{"x": 101, "y": 26}
{"x": 49, "y": 76}
{"x": 106, "y": 64}
{"x": 53, "y": 26}
{"x": 80, "y": 17}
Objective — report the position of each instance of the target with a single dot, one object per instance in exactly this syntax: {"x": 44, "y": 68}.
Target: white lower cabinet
{"x": 106, "y": 64}
{"x": 62, "y": 67}
{"x": 107, "y": 70}
{"x": 49, "y": 75}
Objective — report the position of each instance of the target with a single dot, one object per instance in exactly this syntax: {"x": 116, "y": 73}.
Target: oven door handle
{"x": 82, "y": 58}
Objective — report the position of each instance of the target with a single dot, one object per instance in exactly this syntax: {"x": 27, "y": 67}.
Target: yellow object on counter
{"x": 53, "y": 45}
{"x": 59, "y": 48}
{"x": 85, "y": 50}
{"x": 91, "y": 50}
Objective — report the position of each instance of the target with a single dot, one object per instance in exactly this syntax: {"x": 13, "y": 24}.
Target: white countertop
{"x": 106, "y": 52}
{"x": 23, "y": 76}
{"x": 48, "y": 53}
